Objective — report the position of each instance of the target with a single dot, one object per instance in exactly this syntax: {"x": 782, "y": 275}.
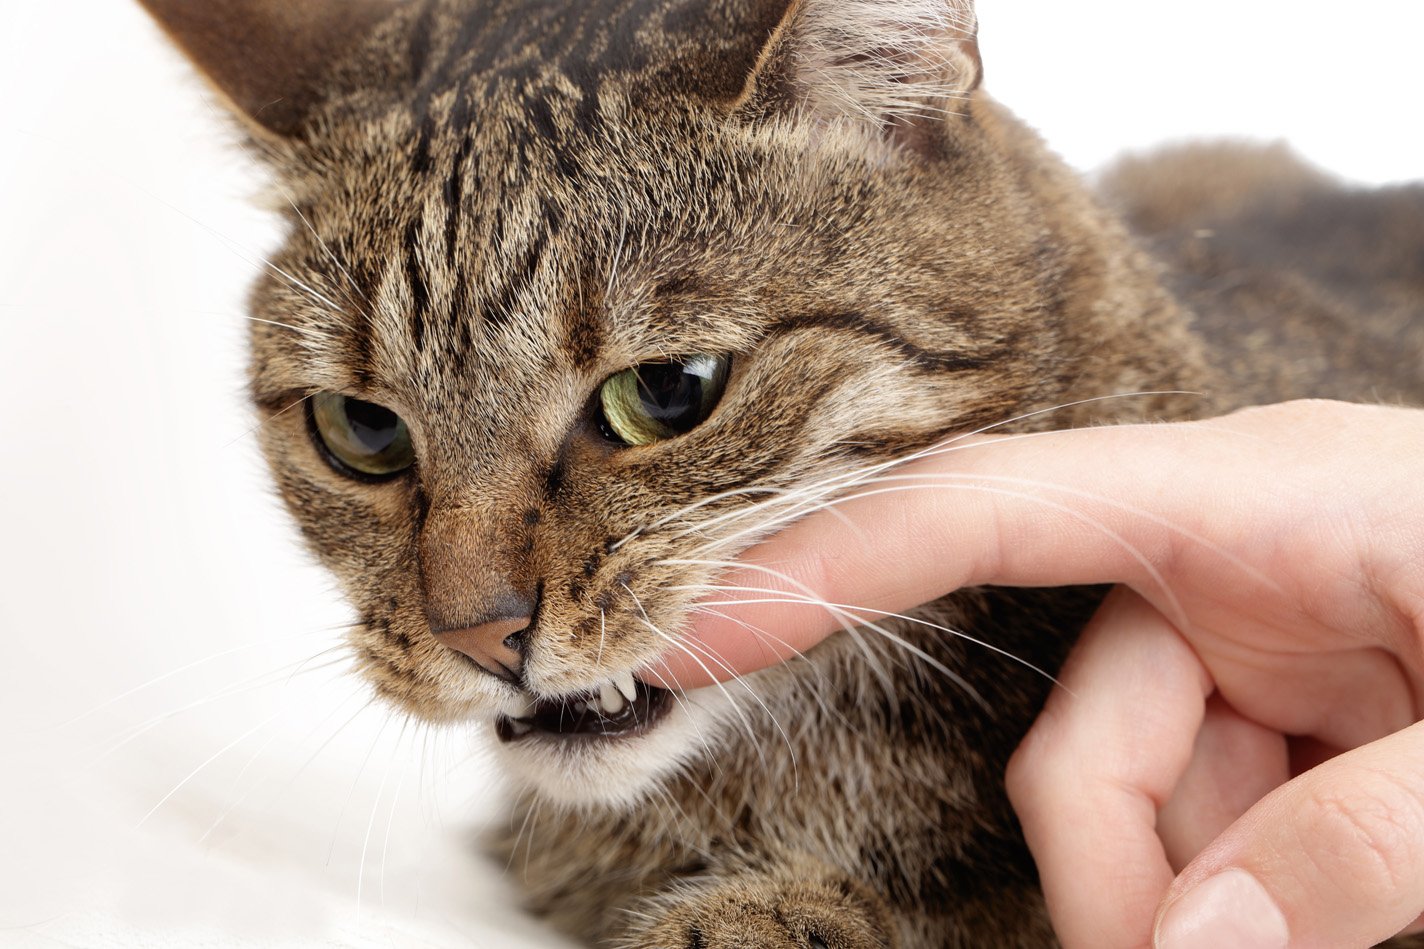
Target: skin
{"x": 1270, "y": 618}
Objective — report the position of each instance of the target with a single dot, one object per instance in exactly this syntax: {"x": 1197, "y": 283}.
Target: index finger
{"x": 1046, "y": 509}
{"x": 1089, "y": 780}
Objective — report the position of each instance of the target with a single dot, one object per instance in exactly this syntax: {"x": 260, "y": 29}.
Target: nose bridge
{"x": 472, "y": 568}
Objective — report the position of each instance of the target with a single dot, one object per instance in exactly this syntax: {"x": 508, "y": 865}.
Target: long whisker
{"x": 688, "y": 649}
{"x": 682, "y": 702}
{"x": 323, "y": 245}
{"x": 712, "y": 655}
{"x": 850, "y": 628}
{"x": 247, "y": 148}
{"x": 237, "y": 801}
{"x": 695, "y": 506}
{"x": 187, "y": 666}
{"x": 314, "y": 333}
{"x": 533, "y": 829}
{"x": 771, "y": 595}
{"x": 801, "y": 657}
{"x": 846, "y": 617}
{"x": 264, "y": 421}
{"x": 214, "y": 757}
{"x": 336, "y": 828}
{"x": 366, "y": 841}
{"x": 386, "y": 841}
{"x": 251, "y": 684}
{"x": 781, "y": 596}
{"x": 514, "y": 849}
{"x": 371, "y": 700}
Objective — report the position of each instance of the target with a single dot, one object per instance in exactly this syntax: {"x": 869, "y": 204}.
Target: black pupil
{"x": 670, "y": 395}
{"x": 375, "y": 429}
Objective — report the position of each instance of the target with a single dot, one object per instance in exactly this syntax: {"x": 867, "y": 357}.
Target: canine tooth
{"x": 525, "y": 709}
{"x": 624, "y": 682}
{"x": 611, "y": 698}
{"x": 580, "y": 707}
{"x": 517, "y": 727}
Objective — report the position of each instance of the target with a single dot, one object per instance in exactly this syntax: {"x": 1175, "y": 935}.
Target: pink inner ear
{"x": 270, "y": 58}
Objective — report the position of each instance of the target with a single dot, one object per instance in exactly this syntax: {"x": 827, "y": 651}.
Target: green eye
{"x": 361, "y": 438}
{"x": 659, "y": 400}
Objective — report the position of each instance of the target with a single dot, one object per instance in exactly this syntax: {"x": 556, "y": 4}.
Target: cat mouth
{"x": 621, "y": 708}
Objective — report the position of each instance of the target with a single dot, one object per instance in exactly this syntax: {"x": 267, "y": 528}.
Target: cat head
{"x": 580, "y": 299}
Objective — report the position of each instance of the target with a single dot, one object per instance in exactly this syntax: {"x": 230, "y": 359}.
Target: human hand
{"x": 1271, "y": 619}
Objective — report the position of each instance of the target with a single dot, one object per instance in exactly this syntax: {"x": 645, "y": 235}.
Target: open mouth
{"x": 620, "y": 708}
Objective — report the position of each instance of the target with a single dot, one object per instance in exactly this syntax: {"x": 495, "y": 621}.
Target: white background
{"x": 162, "y": 638}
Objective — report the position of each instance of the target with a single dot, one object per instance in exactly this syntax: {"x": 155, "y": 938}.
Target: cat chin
{"x": 620, "y": 773}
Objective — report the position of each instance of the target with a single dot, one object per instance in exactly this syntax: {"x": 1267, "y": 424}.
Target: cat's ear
{"x": 899, "y": 67}
{"x": 272, "y": 59}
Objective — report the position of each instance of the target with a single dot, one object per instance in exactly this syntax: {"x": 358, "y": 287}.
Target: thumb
{"x": 1334, "y": 858}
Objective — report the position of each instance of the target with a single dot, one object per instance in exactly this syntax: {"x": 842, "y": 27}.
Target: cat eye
{"x": 660, "y": 400}
{"x": 361, "y": 439}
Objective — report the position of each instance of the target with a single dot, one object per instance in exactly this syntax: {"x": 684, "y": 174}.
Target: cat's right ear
{"x": 271, "y": 59}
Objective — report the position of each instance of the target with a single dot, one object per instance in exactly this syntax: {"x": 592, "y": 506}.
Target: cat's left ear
{"x": 272, "y": 59}
{"x": 901, "y": 68}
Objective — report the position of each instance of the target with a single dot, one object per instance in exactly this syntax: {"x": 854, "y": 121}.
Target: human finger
{"x": 1104, "y": 756}
{"x": 1335, "y": 859}
{"x": 944, "y": 523}
{"x": 1200, "y": 514}
{"x": 1235, "y": 762}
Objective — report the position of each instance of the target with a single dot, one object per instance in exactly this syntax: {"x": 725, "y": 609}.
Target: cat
{"x": 581, "y": 298}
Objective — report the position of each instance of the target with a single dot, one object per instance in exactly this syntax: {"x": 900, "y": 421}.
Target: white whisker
{"x": 214, "y": 757}
{"x": 335, "y": 829}
{"x": 687, "y": 648}
{"x": 191, "y": 665}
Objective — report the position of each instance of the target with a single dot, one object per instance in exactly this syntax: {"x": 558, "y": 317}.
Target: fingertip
{"x": 1231, "y": 908}
{"x": 1336, "y": 851}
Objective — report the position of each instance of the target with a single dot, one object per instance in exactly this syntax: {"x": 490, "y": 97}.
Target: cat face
{"x": 778, "y": 270}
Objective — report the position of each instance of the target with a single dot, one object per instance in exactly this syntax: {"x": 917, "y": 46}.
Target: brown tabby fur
{"x": 495, "y": 205}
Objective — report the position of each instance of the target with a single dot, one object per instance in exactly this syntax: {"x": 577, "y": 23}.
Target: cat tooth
{"x": 580, "y": 707}
{"x": 524, "y": 709}
{"x": 624, "y": 683}
{"x": 517, "y": 728}
{"x": 611, "y": 698}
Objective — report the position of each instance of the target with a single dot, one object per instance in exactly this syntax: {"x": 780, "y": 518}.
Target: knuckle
{"x": 1367, "y": 842}
{"x": 1027, "y": 779}
{"x": 1018, "y": 779}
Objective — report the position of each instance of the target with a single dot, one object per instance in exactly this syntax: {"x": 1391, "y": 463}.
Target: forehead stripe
{"x": 419, "y": 290}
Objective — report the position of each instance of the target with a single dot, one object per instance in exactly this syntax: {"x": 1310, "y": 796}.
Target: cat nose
{"x": 496, "y": 645}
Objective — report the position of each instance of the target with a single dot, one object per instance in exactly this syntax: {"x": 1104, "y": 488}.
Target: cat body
{"x": 498, "y": 206}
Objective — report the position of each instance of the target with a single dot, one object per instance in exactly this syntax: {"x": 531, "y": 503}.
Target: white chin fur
{"x": 615, "y": 773}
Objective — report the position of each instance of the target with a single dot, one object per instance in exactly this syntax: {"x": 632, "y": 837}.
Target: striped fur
{"x": 494, "y": 206}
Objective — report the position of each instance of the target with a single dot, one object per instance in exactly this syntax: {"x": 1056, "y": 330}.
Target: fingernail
{"x": 1229, "y": 909}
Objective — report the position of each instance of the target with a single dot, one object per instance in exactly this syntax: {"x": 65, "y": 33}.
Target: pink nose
{"x": 495, "y": 646}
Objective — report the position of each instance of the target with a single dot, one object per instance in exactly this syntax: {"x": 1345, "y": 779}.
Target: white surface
{"x": 176, "y": 767}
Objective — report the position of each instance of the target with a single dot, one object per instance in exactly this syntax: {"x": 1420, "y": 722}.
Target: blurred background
{"x": 183, "y": 758}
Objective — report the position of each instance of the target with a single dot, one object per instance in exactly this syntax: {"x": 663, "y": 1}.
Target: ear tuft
{"x": 271, "y": 59}
{"x": 898, "y": 66}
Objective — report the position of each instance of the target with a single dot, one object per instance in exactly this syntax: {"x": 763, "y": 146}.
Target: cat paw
{"x": 762, "y": 914}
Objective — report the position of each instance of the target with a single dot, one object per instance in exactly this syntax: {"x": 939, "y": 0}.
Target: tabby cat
{"x": 580, "y": 298}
